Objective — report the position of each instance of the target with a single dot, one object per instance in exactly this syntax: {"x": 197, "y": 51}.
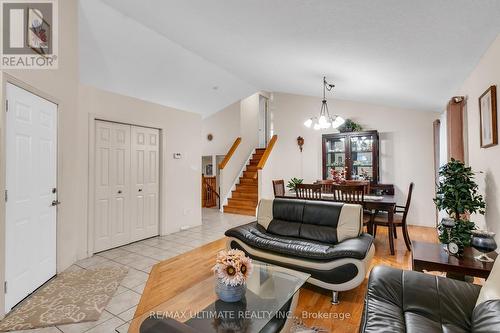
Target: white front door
{"x": 145, "y": 182}
{"x": 112, "y": 185}
{"x": 31, "y": 198}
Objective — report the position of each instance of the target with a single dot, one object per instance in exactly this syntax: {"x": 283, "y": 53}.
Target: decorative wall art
{"x": 488, "y": 118}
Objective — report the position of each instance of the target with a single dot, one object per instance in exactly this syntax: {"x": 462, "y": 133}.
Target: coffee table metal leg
{"x": 335, "y": 297}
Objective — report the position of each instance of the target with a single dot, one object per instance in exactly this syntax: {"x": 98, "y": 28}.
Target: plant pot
{"x": 484, "y": 242}
{"x": 230, "y": 293}
{"x": 456, "y": 231}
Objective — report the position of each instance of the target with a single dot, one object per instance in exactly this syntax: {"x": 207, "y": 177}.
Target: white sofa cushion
{"x": 350, "y": 222}
{"x": 265, "y": 212}
{"x": 491, "y": 288}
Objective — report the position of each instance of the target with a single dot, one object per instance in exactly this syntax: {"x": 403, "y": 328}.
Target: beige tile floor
{"x": 139, "y": 257}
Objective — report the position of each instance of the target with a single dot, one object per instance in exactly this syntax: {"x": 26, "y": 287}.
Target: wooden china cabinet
{"x": 356, "y": 152}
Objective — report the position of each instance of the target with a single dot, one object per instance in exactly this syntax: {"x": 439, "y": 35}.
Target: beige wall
{"x": 249, "y": 126}
{"x": 406, "y": 147}
{"x": 225, "y": 128}
{"x": 487, "y": 160}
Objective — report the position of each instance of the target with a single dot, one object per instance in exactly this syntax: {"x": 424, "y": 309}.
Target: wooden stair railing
{"x": 210, "y": 197}
{"x": 230, "y": 153}
{"x": 267, "y": 152}
{"x": 244, "y": 198}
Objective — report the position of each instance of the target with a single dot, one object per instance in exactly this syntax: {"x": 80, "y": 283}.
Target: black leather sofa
{"x": 324, "y": 239}
{"x": 407, "y": 301}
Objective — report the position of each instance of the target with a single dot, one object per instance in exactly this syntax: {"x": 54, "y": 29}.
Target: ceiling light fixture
{"x": 325, "y": 120}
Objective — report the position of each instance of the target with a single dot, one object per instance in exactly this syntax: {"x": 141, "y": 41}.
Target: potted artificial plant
{"x": 457, "y": 194}
{"x": 292, "y": 184}
{"x": 350, "y": 126}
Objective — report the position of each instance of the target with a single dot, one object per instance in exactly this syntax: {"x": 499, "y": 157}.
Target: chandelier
{"x": 325, "y": 120}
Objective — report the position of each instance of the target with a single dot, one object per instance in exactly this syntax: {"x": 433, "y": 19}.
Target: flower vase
{"x": 229, "y": 293}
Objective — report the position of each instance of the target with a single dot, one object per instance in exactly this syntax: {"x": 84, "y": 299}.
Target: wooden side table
{"x": 433, "y": 257}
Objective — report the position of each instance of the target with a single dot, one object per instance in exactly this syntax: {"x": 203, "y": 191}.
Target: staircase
{"x": 244, "y": 199}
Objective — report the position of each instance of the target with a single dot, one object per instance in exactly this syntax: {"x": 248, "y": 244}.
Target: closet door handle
{"x": 119, "y": 191}
{"x": 140, "y": 190}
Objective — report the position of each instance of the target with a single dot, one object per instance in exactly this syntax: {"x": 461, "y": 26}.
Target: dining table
{"x": 382, "y": 203}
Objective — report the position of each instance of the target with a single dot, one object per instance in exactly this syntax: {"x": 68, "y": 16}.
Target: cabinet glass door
{"x": 362, "y": 157}
{"x": 335, "y": 155}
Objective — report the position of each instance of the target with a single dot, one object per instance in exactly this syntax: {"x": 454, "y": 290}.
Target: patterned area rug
{"x": 299, "y": 327}
{"x": 71, "y": 297}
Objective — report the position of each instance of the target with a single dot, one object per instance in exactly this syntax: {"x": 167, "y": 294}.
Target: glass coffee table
{"x": 271, "y": 296}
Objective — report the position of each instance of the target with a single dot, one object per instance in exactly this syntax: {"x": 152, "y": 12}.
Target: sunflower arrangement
{"x": 232, "y": 267}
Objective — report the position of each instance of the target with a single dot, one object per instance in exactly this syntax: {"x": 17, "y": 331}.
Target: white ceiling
{"x": 404, "y": 53}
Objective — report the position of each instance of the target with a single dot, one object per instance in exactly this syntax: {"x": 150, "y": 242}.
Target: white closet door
{"x": 31, "y": 177}
{"x": 145, "y": 185}
{"x": 112, "y": 185}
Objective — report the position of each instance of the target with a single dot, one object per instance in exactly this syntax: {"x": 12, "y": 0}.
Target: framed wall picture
{"x": 488, "y": 118}
{"x": 39, "y": 34}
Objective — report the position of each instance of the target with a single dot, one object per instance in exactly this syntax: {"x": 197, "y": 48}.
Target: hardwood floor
{"x": 172, "y": 276}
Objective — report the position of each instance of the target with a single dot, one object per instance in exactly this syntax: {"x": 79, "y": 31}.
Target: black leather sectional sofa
{"x": 405, "y": 301}
{"x": 324, "y": 239}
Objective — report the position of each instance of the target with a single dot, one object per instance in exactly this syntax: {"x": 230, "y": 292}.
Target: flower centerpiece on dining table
{"x": 232, "y": 269}
{"x": 337, "y": 176}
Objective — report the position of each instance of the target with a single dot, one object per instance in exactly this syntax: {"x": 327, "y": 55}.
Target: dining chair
{"x": 353, "y": 194}
{"x": 308, "y": 191}
{"x": 400, "y": 216}
{"x": 364, "y": 183}
{"x": 279, "y": 188}
{"x": 326, "y": 185}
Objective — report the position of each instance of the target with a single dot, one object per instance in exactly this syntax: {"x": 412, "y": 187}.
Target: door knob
{"x": 119, "y": 191}
{"x": 55, "y": 202}
{"x": 140, "y": 190}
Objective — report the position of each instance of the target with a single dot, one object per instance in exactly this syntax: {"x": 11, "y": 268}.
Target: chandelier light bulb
{"x": 308, "y": 123}
{"x": 317, "y": 126}
{"x": 322, "y": 120}
{"x": 338, "y": 122}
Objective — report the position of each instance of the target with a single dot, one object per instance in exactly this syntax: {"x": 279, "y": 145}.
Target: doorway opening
{"x": 264, "y": 121}
{"x": 210, "y": 177}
